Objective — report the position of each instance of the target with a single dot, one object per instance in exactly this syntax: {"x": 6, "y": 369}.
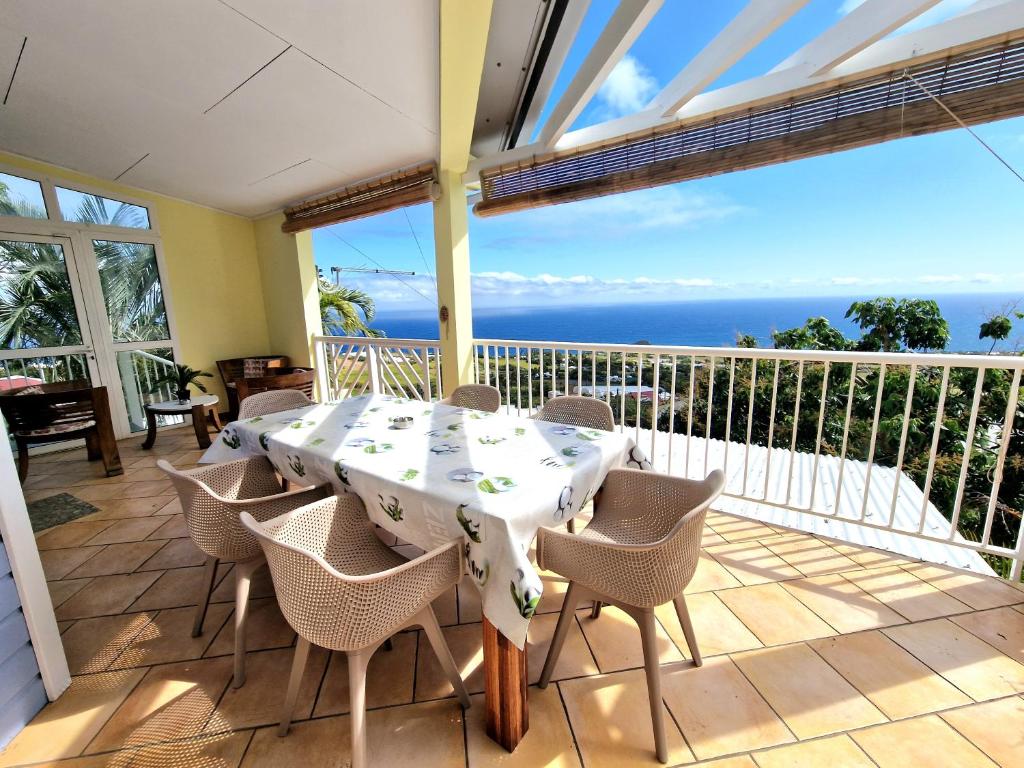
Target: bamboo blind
{"x": 979, "y": 86}
{"x": 384, "y": 193}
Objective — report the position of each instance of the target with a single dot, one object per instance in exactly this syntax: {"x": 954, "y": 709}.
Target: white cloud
{"x": 627, "y": 89}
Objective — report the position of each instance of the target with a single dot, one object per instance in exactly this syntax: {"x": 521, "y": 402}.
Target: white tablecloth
{"x": 490, "y": 479}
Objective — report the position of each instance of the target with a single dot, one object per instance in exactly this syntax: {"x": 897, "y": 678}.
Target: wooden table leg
{"x": 508, "y": 716}
{"x": 200, "y": 426}
{"x": 215, "y": 417}
{"x": 150, "y": 429}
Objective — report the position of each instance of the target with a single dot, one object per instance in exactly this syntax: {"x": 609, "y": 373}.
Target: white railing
{"x": 140, "y": 371}
{"x": 17, "y": 372}
{"x": 349, "y": 366}
{"x": 920, "y": 453}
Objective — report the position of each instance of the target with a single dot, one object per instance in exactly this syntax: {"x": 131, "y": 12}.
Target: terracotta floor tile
{"x": 867, "y": 557}
{"x": 259, "y": 701}
{"x": 265, "y": 628}
{"x": 467, "y": 646}
{"x": 117, "y": 558}
{"x": 753, "y": 563}
{"x": 389, "y": 678}
{"x": 100, "y": 492}
{"x": 262, "y": 585}
{"x": 925, "y": 742}
{"x": 997, "y": 728}
{"x": 172, "y": 701}
{"x": 807, "y": 693}
{"x": 977, "y": 591}
{"x": 470, "y": 608}
{"x": 172, "y": 507}
{"x": 740, "y": 529}
{"x": 905, "y": 593}
{"x": 446, "y": 608}
{"x": 92, "y": 644}
{"x": 1001, "y": 627}
{"x": 173, "y": 527}
{"x": 74, "y": 534}
{"x": 145, "y": 489}
{"x": 719, "y": 711}
{"x": 324, "y": 743}
{"x": 740, "y": 761}
{"x": 554, "y": 591}
{"x": 710, "y": 575}
{"x": 132, "y": 529}
{"x": 58, "y": 563}
{"x": 614, "y": 639}
{"x": 168, "y": 637}
{"x": 174, "y": 553}
{"x": 717, "y": 628}
{"x": 894, "y": 680}
{"x": 175, "y": 588}
{"x": 841, "y": 603}
{"x": 811, "y": 557}
{"x": 115, "y": 509}
{"x": 106, "y": 595}
{"x": 611, "y": 719}
{"x": 972, "y": 665}
{"x": 575, "y": 660}
{"x": 548, "y": 743}
{"x": 62, "y": 591}
{"x": 830, "y": 752}
{"x": 67, "y": 725}
{"x": 774, "y": 615}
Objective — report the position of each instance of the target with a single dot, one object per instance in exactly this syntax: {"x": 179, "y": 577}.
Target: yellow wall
{"x": 211, "y": 274}
{"x": 291, "y": 300}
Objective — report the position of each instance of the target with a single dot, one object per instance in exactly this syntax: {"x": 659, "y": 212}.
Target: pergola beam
{"x": 624, "y": 27}
{"x": 756, "y": 21}
{"x": 861, "y": 27}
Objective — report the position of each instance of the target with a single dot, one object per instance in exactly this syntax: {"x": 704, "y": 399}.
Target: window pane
{"x": 21, "y": 197}
{"x": 93, "y": 209}
{"x": 132, "y": 291}
{"x": 37, "y": 308}
{"x": 142, "y": 371}
{"x": 28, "y": 371}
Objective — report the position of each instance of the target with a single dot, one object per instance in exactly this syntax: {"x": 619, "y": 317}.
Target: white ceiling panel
{"x": 386, "y": 47}
{"x": 10, "y": 49}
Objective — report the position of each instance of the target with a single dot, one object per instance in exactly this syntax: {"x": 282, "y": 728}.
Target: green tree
{"x": 996, "y": 328}
{"x": 815, "y": 333}
{"x": 892, "y": 325}
{"x": 346, "y": 311}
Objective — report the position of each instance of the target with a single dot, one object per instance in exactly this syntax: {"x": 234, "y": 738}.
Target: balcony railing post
{"x": 323, "y": 376}
{"x": 373, "y": 364}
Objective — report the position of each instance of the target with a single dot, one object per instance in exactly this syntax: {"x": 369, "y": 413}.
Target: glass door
{"x": 44, "y": 330}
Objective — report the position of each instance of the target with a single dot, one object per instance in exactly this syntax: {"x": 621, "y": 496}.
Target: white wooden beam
{"x": 624, "y": 27}
{"x": 757, "y": 20}
{"x": 864, "y": 25}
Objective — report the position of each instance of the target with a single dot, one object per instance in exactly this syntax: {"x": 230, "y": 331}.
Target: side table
{"x": 200, "y": 407}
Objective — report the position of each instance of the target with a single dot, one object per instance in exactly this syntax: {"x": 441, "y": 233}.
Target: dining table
{"x": 431, "y": 473}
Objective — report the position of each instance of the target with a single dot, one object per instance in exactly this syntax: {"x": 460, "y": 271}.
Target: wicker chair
{"x": 478, "y": 397}
{"x": 341, "y": 588}
{"x": 272, "y": 401}
{"x": 639, "y": 552}
{"x": 212, "y": 498}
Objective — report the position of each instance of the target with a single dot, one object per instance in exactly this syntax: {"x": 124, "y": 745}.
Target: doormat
{"x": 54, "y": 510}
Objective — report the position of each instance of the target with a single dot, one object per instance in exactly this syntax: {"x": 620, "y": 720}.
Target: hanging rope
{"x": 419, "y": 247}
{"x": 961, "y": 123}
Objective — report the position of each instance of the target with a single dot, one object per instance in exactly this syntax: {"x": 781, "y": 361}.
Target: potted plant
{"x": 180, "y": 378}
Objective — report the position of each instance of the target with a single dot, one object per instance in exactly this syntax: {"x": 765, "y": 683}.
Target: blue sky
{"x": 917, "y": 216}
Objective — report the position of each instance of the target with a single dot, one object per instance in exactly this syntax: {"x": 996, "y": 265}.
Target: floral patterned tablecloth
{"x": 491, "y": 479}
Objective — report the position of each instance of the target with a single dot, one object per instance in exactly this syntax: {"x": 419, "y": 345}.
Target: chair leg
{"x": 688, "y": 633}
{"x": 570, "y": 525}
{"x": 92, "y": 446}
{"x": 565, "y": 618}
{"x": 294, "y": 682}
{"x": 243, "y": 578}
{"x": 357, "y": 664}
{"x": 209, "y": 574}
{"x": 595, "y": 609}
{"x": 649, "y": 636}
{"x": 428, "y": 621}
{"x": 22, "y": 461}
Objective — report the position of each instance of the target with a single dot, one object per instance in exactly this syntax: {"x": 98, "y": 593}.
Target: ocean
{"x": 713, "y": 323}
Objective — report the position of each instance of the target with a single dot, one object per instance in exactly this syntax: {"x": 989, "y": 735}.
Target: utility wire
{"x": 962, "y": 124}
{"x": 419, "y": 247}
{"x": 365, "y": 255}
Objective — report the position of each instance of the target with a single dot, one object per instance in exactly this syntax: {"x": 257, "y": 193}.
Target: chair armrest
{"x": 269, "y": 507}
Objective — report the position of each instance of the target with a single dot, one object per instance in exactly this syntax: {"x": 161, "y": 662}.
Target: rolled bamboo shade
{"x": 980, "y": 85}
{"x": 384, "y": 193}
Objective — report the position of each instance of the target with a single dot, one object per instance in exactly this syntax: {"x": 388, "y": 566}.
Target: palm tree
{"x": 340, "y": 309}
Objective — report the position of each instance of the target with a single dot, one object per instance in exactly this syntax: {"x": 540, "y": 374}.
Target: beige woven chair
{"x": 272, "y": 401}
{"x": 578, "y": 411}
{"x": 479, "y": 397}
{"x": 639, "y": 552}
{"x": 212, "y": 498}
{"x": 341, "y": 588}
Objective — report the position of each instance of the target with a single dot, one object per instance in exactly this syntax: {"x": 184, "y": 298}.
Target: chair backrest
{"x": 301, "y": 379}
{"x": 213, "y": 525}
{"x": 48, "y": 405}
{"x": 308, "y": 551}
{"x": 579, "y": 411}
{"x": 479, "y": 397}
{"x": 272, "y": 401}
{"x": 235, "y": 368}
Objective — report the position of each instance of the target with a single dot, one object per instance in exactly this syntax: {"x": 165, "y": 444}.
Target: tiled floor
{"x": 816, "y": 653}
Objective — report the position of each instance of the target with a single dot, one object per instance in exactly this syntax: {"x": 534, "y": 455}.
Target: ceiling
{"x": 242, "y": 105}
